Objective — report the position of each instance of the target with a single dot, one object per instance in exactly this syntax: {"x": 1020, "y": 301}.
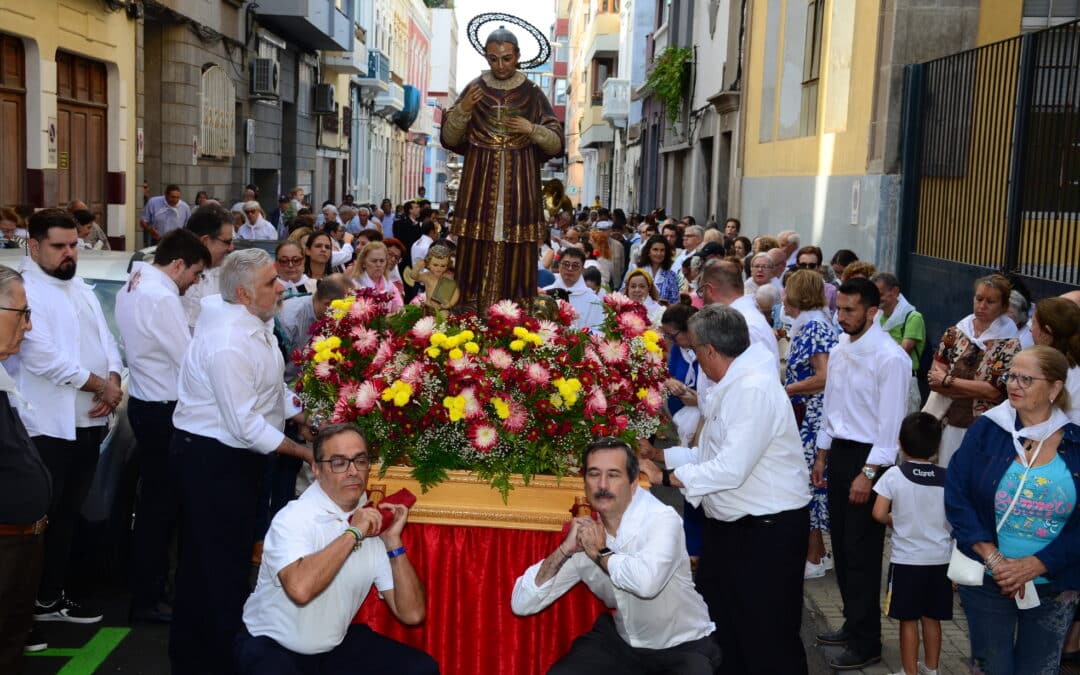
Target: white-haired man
{"x": 789, "y": 244}
{"x": 231, "y": 409}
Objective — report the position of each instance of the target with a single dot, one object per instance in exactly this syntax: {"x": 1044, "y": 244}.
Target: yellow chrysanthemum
{"x": 517, "y": 345}
{"x": 433, "y": 352}
{"x": 502, "y": 409}
{"x": 456, "y": 353}
{"x": 472, "y": 347}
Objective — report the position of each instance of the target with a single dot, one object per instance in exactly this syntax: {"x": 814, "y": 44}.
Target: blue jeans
{"x": 1006, "y": 640}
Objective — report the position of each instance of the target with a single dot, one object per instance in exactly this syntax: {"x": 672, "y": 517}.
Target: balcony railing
{"x": 390, "y": 101}
{"x": 348, "y": 63}
{"x": 377, "y": 75}
{"x": 316, "y": 24}
{"x": 616, "y": 104}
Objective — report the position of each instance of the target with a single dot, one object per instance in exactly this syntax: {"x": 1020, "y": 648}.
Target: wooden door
{"x": 82, "y": 124}
{"x": 12, "y": 122}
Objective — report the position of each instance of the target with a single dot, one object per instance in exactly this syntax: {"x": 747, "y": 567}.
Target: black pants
{"x": 362, "y": 651}
{"x": 21, "y": 558}
{"x": 156, "y": 504}
{"x": 72, "y": 465}
{"x": 219, "y": 489}
{"x": 751, "y": 576}
{"x": 601, "y": 650}
{"x": 858, "y": 542}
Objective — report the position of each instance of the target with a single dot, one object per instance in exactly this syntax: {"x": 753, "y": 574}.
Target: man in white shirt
{"x": 749, "y": 475}
{"x": 69, "y": 374}
{"x": 789, "y": 246}
{"x": 156, "y": 336}
{"x": 587, "y": 304}
{"x": 231, "y": 409}
{"x": 865, "y": 398}
{"x": 213, "y": 225}
{"x": 721, "y": 281}
{"x": 429, "y": 230}
{"x": 634, "y": 560}
{"x": 164, "y": 213}
{"x": 320, "y": 559}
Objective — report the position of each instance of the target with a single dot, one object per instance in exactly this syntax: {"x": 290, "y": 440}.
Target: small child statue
{"x": 440, "y": 289}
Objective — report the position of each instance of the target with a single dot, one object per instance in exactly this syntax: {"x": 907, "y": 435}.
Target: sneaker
{"x": 814, "y": 570}
{"x": 35, "y": 641}
{"x": 923, "y": 670}
{"x": 827, "y": 561}
{"x": 851, "y": 660}
{"x": 64, "y": 609}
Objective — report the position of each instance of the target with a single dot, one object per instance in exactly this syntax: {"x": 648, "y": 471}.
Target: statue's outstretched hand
{"x": 469, "y": 100}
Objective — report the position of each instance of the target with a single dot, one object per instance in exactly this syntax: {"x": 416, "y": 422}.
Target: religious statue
{"x": 555, "y": 199}
{"x": 505, "y": 128}
{"x": 440, "y": 289}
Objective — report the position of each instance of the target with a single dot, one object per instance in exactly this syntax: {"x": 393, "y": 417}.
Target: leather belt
{"x": 33, "y": 528}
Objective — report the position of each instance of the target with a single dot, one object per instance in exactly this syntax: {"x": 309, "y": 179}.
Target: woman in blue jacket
{"x": 1025, "y": 445}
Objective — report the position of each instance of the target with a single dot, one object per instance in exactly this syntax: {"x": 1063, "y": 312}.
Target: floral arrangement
{"x": 499, "y": 395}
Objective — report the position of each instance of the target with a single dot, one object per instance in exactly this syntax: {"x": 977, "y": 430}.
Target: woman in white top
{"x": 547, "y": 253}
{"x": 640, "y": 288}
{"x": 1056, "y": 323}
{"x": 256, "y": 225}
{"x": 370, "y": 271}
{"x": 289, "y": 258}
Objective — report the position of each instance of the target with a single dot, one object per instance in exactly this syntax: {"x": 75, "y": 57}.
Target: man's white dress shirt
{"x": 648, "y": 583}
{"x": 51, "y": 366}
{"x": 303, "y": 527}
{"x": 587, "y": 304}
{"x": 866, "y": 394}
{"x": 192, "y": 300}
{"x": 232, "y": 385}
{"x": 749, "y": 460}
{"x": 761, "y": 332}
{"x": 419, "y": 250}
{"x": 341, "y": 256}
{"x": 154, "y": 331}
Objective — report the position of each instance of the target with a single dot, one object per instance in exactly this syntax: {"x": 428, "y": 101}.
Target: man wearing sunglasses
{"x": 587, "y": 304}
{"x": 322, "y": 555}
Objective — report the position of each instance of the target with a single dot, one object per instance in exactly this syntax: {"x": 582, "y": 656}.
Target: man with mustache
{"x": 69, "y": 374}
{"x": 634, "y": 559}
{"x": 231, "y": 407}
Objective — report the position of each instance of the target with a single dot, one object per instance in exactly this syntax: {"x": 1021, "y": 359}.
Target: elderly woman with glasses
{"x": 256, "y": 226}
{"x": 1010, "y": 496}
{"x": 640, "y": 288}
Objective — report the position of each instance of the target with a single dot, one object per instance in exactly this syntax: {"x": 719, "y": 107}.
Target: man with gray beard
{"x": 231, "y": 409}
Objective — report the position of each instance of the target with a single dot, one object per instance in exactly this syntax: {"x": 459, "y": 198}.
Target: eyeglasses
{"x": 701, "y": 290}
{"x": 761, "y": 267}
{"x": 290, "y": 262}
{"x": 339, "y": 464}
{"x": 1021, "y": 381}
{"x": 570, "y": 266}
{"x": 806, "y": 266}
{"x": 671, "y": 337}
{"x": 25, "y": 311}
{"x": 227, "y": 242}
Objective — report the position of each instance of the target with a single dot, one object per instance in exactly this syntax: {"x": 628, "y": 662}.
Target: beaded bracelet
{"x": 357, "y": 534}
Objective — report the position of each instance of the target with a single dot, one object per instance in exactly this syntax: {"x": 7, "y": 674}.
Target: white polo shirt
{"x": 306, "y": 526}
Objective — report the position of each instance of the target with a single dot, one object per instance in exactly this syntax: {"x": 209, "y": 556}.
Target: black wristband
{"x": 666, "y": 477}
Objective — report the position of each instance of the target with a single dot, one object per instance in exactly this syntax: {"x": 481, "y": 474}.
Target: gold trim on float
{"x": 466, "y": 499}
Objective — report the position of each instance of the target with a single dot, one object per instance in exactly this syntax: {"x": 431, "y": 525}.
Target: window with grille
{"x": 217, "y": 126}
{"x": 1045, "y": 13}
{"x": 815, "y": 12}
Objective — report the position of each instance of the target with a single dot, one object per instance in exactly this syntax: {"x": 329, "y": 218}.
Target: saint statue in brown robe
{"x": 504, "y": 126}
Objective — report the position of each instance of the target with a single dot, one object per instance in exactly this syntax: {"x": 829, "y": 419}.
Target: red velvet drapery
{"x": 469, "y": 575}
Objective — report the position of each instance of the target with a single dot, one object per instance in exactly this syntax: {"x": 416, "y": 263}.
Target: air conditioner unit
{"x": 263, "y": 78}
{"x": 324, "y": 103}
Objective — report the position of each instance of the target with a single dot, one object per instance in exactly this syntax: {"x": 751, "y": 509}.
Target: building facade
{"x": 68, "y": 93}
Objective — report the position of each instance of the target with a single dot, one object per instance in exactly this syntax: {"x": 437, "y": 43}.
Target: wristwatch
{"x": 869, "y": 471}
{"x": 603, "y": 553}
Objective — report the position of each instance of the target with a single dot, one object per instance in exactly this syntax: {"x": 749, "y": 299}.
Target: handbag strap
{"x": 1019, "y": 488}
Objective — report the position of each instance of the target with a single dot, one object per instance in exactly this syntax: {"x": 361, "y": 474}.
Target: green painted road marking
{"x": 87, "y": 659}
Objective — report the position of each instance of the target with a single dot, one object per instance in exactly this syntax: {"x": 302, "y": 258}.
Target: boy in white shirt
{"x": 911, "y": 499}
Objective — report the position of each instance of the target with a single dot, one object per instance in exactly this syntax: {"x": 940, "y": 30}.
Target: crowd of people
{"x": 795, "y": 397}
